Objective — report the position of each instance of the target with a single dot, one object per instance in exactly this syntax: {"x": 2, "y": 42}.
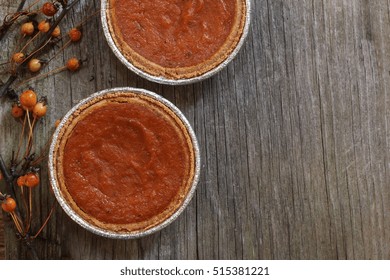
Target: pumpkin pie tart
{"x": 124, "y": 162}
{"x": 176, "y": 39}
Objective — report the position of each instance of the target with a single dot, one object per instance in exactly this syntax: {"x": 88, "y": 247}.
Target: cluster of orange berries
{"x": 28, "y": 102}
{"x": 34, "y": 65}
{"x": 49, "y": 9}
{"x": 31, "y": 180}
{"x": 29, "y": 28}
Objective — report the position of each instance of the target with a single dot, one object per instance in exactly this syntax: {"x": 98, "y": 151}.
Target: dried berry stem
{"x": 17, "y": 224}
{"x": 44, "y": 75}
{"x": 30, "y": 204}
{"x": 4, "y": 63}
{"x": 30, "y": 136}
{"x": 7, "y": 24}
{"x": 21, "y": 137}
{"x": 60, "y": 50}
{"x": 24, "y": 200}
{"x": 29, "y": 42}
{"x": 43, "y": 153}
{"x": 88, "y": 18}
{"x": 47, "y": 219}
{"x": 77, "y": 26}
{"x": 37, "y": 50}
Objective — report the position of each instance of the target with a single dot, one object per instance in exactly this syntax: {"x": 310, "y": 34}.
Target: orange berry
{"x": 28, "y": 99}
{"x": 21, "y": 181}
{"x": 44, "y": 26}
{"x": 8, "y": 205}
{"x": 57, "y": 123}
{"x": 49, "y": 9}
{"x": 32, "y": 180}
{"x": 73, "y": 64}
{"x": 40, "y": 109}
{"x": 18, "y": 57}
{"x": 27, "y": 28}
{"x": 74, "y": 35}
{"x": 17, "y": 111}
{"x": 34, "y": 65}
{"x": 56, "y": 32}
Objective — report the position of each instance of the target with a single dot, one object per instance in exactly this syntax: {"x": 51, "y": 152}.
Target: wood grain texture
{"x": 294, "y": 137}
{"x": 2, "y": 239}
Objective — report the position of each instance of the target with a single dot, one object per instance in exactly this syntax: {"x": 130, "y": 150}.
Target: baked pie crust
{"x": 178, "y": 73}
{"x": 67, "y": 131}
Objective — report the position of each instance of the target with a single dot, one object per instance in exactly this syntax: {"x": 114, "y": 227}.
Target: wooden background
{"x": 294, "y": 138}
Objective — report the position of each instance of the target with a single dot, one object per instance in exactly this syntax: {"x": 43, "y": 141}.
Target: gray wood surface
{"x": 294, "y": 138}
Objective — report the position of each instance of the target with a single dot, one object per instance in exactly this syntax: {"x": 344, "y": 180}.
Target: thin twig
{"x": 47, "y": 219}
{"x": 29, "y": 41}
{"x": 25, "y": 205}
{"x": 88, "y": 18}
{"x": 17, "y": 224}
{"x": 41, "y": 76}
{"x": 21, "y": 5}
{"x": 33, "y": 4}
{"x": 59, "y": 51}
{"x": 27, "y": 152}
{"x": 7, "y": 25}
{"x": 43, "y": 152}
{"x": 37, "y": 50}
{"x": 21, "y": 137}
{"x": 29, "y": 210}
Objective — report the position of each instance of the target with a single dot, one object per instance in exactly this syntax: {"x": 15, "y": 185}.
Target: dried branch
{"x": 23, "y": 172}
{"x": 47, "y": 37}
{"x": 21, "y": 5}
{"x": 7, "y": 24}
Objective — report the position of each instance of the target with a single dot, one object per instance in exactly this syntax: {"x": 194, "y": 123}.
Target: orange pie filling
{"x": 176, "y": 38}
{"x": 125, "y": 162}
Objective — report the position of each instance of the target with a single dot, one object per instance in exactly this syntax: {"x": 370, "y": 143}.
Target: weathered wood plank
{"x": 2, "y": 238}
{"x": 294, "y": 138}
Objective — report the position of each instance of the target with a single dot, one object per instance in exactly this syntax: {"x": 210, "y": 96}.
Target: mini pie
{"x": 176, "y": 39}
{"x": 124, "y": 162}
